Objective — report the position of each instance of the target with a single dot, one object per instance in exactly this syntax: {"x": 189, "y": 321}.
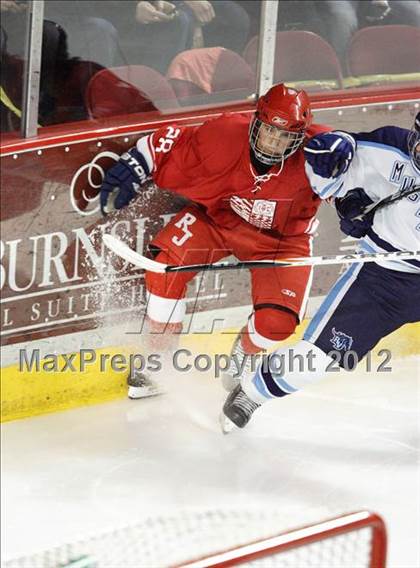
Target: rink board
{"x": 55, "y": 290}
{"x": 30, "y": 393}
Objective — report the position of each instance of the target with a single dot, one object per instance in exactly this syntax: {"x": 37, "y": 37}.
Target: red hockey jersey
{"x": 211, "y": 165}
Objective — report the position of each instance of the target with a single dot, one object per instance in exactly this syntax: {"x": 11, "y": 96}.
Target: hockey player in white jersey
{"x": 369, "y": 301}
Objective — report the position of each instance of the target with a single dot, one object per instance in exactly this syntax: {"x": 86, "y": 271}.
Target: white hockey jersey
{"x": 381, "y": 166}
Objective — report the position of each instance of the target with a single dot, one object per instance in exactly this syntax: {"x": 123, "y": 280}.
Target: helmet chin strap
{"x": 263, "y": 177}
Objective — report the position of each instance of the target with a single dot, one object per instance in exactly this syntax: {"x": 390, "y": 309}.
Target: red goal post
{"x": 276, "y": 547}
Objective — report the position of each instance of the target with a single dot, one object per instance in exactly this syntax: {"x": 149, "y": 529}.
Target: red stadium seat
{"x": 384, "y": 50}
{"x": 129, "y": 89}
{"x": 301, "y": 56}
{"x": 208, "y": 71}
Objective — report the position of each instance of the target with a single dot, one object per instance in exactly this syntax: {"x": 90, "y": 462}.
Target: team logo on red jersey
{"x": 258, "y": 212}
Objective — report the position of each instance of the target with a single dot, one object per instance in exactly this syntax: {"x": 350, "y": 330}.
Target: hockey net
{"x": 224, "y": 538}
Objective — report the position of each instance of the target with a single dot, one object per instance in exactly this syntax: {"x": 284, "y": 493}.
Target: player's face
{"x": 271, "y": 144}
{"x": 272, "y": 140}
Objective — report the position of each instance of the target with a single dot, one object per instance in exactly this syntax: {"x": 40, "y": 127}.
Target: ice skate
{"x": 142, "y": 386}
{"x": 240, "y": 365}
{"x": 226, "y": 424}
{"x": 237, "y": 409}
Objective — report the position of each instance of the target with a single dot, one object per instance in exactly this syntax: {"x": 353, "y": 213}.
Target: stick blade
{"x": 130, "y": 255}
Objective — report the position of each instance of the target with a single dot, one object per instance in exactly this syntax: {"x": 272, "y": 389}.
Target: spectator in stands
{"x": 10, "y": 84}
{"x": 389, "y": 12}
{"x": 63, "y": 78}
{"x": 224, "y": 23}
{"x": 344, "y": 18}
{"x": 153, "y": 32}
{"x": 337, "y": 20}
{"x": 150, "y": 32}
{"x": 13, "y": 21}
{"x": 54, "y": 55}
{"x": 332, "y": 20}
{"x": 89, "y": 37}
{"x": 165, "y": 32}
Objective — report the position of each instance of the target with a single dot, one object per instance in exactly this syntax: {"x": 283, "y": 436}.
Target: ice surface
{"x": 348, "y": 443}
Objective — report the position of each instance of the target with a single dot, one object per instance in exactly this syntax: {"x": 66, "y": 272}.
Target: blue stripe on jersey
{"x": 328, "y": 301}
{"x": 388, "y": 247}
{"x": 269, "y": 387}
{"x": 323, "y": 192}
{"x": 367, "y": 247}
{"x": 380, "y": 242}
{"x": 277, "y": 386}
{"x": 285, "y": 387}
{"x": 260, "y": 385}
{"x": 388, "y": 137}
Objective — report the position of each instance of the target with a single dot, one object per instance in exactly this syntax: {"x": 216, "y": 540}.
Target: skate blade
{"x": 226, "y": 424}
{"x": 143, "y": 392}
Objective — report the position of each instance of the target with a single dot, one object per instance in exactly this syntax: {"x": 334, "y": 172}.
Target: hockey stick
{"x": 125, "y": 252}
{"x": 387, "y": 201}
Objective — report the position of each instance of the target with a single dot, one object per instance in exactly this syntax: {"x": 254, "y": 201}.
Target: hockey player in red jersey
{"x": 249, "y": 196}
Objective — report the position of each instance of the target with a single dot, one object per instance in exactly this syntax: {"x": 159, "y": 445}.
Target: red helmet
{"x": 287, "y": 111}
{"x": 285, "y": 108}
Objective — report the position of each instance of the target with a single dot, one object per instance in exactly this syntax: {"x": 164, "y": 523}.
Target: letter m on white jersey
{"x": 396, "y": 173}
